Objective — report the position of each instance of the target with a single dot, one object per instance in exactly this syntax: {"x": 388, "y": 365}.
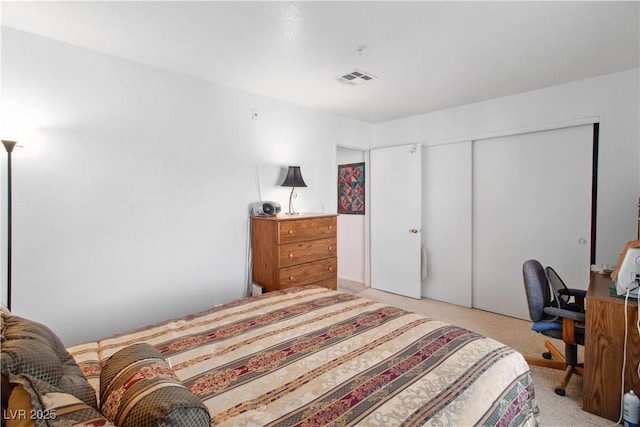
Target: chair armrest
{"x": 578, "y": 293}
{"x": 567, "y": 314}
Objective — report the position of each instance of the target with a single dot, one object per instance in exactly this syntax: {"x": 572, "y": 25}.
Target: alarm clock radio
{"x": 265, "y": 209}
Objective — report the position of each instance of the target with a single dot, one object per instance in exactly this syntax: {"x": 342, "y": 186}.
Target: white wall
{"x": 612, "y": 99}
{"x": 132, "y": 204}
{"x": 351, "y": 228}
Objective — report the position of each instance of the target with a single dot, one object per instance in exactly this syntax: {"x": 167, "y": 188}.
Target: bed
{"x": 310, "y": 356}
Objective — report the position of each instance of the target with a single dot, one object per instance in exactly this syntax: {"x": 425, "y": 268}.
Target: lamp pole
{"x": 8, "y": 145}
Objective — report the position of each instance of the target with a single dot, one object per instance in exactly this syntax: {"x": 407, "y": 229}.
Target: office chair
{"x": 553, "y": 317}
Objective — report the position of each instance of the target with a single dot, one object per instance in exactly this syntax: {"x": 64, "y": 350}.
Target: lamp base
{"x": 291, "y": 197}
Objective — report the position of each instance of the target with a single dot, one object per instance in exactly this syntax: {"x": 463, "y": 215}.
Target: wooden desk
{"x": 604, "y": 343}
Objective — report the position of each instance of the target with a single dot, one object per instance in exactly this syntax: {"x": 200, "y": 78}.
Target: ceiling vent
{"x": 355, "y": 78}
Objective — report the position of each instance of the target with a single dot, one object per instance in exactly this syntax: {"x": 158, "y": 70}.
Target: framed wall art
{"x": 351, "y": 180}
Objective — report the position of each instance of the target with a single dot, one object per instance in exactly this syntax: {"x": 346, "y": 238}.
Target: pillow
{"x": 5, "y": 310}
{"x": 32, "y": 355}
{"x": 53, "y": 410}
{"x": 87, "y": 358}
{"x": 138, "y": 388}
{"x": 18, "y": 407}
{"x": 61, "y": 409}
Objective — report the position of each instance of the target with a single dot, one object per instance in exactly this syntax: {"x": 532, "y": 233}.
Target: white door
{"x": 446, "y": 222}
{"x": 531, "y": 199}
{"x": 395, "y": 206}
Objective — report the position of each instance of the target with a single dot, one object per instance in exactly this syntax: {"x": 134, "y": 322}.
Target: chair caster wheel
{"x": 560, "y": 391}
{"x": 546, "y": 355}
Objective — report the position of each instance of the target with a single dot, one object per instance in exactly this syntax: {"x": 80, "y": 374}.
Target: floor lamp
{"x": 8, "y": 145}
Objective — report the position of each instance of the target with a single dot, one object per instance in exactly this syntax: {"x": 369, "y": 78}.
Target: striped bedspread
{"x": 313, "y": 357}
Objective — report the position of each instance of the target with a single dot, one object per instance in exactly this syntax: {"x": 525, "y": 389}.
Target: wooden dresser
{"x": 295, "y": 250}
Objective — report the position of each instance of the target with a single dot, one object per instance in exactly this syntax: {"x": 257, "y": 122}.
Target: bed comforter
{"x": 313, "y": 357}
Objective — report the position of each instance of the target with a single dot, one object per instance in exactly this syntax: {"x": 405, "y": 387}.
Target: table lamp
{"x": 293, "y": 180}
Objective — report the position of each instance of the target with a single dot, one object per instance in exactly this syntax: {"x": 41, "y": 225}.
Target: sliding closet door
{"x": 446, "y": 219}
{"x": 532, "y": 199}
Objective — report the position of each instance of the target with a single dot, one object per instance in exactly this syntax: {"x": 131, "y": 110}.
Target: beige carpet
{"x": 554, "y": 410}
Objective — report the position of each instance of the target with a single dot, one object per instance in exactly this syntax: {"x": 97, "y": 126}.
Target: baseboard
{"x": 351, "y": 286}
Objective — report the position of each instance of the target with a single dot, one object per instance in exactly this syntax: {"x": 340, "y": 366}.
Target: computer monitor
{"x": 627, "y": 272}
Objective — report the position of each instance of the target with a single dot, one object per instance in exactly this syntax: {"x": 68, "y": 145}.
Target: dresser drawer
{"x": 305, "y": 274}
{"x": 311, "y": 250}
{"x": 307, "y": 229}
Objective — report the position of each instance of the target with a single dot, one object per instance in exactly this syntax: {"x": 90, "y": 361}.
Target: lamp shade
{"x": 294, "y": 178}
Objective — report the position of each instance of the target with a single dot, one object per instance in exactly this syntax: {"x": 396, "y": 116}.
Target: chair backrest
{"x": 560, "y": 296}
{"x": 537, "y": 289}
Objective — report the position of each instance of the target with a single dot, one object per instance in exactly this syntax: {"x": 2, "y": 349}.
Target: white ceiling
{"x": 427, "y": 56}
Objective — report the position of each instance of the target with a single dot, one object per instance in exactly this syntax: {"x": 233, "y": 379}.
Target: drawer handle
{"x": 330, "y": 227}
{"x": 290, "y": 231}
{"x": 290, "y": 256}
{"x": 330, "y": 268}
{"x": 291, "y": 277}
{"x": 330, "y": 248}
